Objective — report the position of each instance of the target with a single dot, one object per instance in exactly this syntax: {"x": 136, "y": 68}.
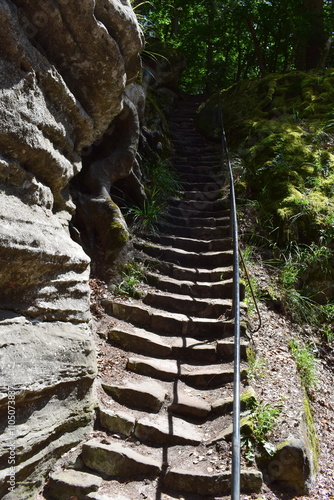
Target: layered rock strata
{"x": 64, "y": 67}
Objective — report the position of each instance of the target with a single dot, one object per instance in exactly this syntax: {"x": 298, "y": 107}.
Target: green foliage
{"x": 306, "y": 364}
{"x": 161, "y": 184}
{"x": 257, "y": 366}
{"x": 278, "y": 125}
{"x": 131, "y": 277}
{"x": 163, "y": 178}
{"x": 225, "y": 41}
{"x": 147, "y": 216}
{"x": 265, "y": 418}
{"x": 288, "y": 165}
{"x": 311, "y": 433}
{"x": 304, "y": 271}
{"x": 262, "y": 420}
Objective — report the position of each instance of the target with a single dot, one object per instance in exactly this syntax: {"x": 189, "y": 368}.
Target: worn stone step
{"x": 167, "y": 430}
{"x": 131, "y": 338}
{"x": 118, "y": 460}
{"x": 192, "y": 244}
{"x": 168, "y": 323}
{"x": 201, "y": 203}
{"x": 210, "y": 195}
{"x": 215, "y": 484}
{"x": 204, "y": 377}
{"x": 198, "y": 222}
{"x": 219, "y": 289}
{"x": 192, "y": 350}
{"x": 187, "y": 273}
{"x": 202, "y": 186}
{"x": 222, "y": 406}
{"x": 218, "y": 178}
{"x": 189, "y": 406}
{"x": 143, "y": 395}
{"x": 158, "y": 431}
{"x": 183, "y": 348}
{"x": 208, "y": 260}
{"x": 190, "y": 165}
{"x": 197, "y": 154}
{"x": 246, "y": 428}
{"x": 203, "y": 308}
{"x": 70, "y": 483}
{"x": 116, "y": 421}
{"x": 140, "y": 341}
{"x": 199, "y": 232}
{"x": 183, "y": 210}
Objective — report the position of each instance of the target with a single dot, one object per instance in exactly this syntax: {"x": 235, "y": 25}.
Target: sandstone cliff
{"x": 64, "y": 67}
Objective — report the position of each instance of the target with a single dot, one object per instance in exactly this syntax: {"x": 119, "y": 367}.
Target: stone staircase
{"x": 164, "y": 428}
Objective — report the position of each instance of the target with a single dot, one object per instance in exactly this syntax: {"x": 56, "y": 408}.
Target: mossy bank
{"x": 282, "y": 128}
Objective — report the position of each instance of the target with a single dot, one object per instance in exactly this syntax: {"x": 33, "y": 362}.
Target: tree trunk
{"x": 311, "y": 38}
{"x": 257, "y": 46}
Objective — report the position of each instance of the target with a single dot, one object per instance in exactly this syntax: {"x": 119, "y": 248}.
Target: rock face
{"x": 64, "y": 67}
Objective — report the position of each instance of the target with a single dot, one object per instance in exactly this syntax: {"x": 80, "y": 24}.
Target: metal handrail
{"x": 235, "y": 493}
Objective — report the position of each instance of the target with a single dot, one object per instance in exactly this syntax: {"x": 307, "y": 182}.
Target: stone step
{"x": 208, "y": 195}
{"x": 187, "y": 273}
{"x": 168, "y": 323}
{"x": 141, "y": 395}
{"x": 201, "y": 186}
{"x": 116, "y": 421}
{"x": 182, "y": 210}
{"x": 205, "y": 179}
{"x": 219, "y": 289}
{"x": 246, "y": 428}
{"x": 192, "y": 244}
{"x": 200, "y": 377}
{"x": 208, "y": 260}
{"x": 192, "y": 161}
{"x": 202, "y": 205}
{"x": 158, "y": 431}
{"x": 222, "y": 406}
{"x": 215, "y": 484}
{"x": 198, "y": 222}
{"x": 200, "y": 232}
{"x": 185, "y": 349}
{"x": 185, "y": 304}
{"x": 70, "y": 483}
{"x": 192, "y": 156}
{"x": 116, "y": 459}
{"x": 190, "y": 164}
{"x": 141, "y": 341}
{"x": 189, "y": 406}
{"x": 167, "y": 430}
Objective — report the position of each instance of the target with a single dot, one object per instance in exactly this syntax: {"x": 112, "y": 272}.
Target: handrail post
{"x": 235, "y": 493}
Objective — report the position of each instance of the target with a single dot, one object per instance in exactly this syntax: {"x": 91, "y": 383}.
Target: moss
{"x": 248, "y": 398}
{"x": 282, "y": 127}
{"x": 117, "y": 229}
{"x": 247, "y": 426}
{"x": 311, "y": 433}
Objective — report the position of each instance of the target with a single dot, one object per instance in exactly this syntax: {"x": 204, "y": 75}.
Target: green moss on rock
{"x": 282, "y": 126}
{"x": 311, "y": 434}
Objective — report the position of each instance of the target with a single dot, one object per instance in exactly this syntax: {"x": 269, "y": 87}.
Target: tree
{"x": 228, "y": 40}
{"x": 311, "y": 37}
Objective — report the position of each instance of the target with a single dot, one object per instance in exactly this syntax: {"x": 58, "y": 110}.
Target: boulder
{"x": 291, "y": 467}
